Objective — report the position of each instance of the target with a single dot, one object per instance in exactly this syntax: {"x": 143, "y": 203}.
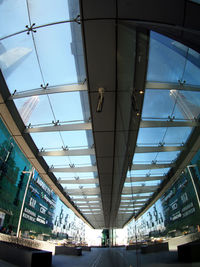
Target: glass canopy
{"x": 41, "y": 58}
{"x": 171, "y": 106}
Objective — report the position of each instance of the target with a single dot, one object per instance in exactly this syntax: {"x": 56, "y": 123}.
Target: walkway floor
{"x": 117, "y": 257}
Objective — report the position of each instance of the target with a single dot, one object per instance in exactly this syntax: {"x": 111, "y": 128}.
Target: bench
{"x": 154, "y": 247}
{"x": 133, "y": 247}
{"x": 24, "y": 256}
{"x": 68, "y": 250}
{"x": 86, "y": 248}
{"x": 189, "y": 252}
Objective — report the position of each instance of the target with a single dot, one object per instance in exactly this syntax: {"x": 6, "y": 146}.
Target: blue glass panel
{"x": 144, "y": 157}
{"x": 14, "y": 15}
{"x": 146, "y": 183}
{"x": 177, "y": 135}
{"x": 67, "y": 106}
{"x": 35, "y": 110}
{"x": 174, "y": 103}
{"x": 150, "y": 135}
{"x": 157, "y": 104}
{"x": 19, "y": 63}
{"x": 65, "y": 161}
{"x": 167, "y": 156}
{"x": 76, "y": 139}
{"x": 53, "y": 46}
{"x": 47, "y": 11}
{"x": 44, "y": 140}
{"x": 166, "y": 61}
{"x": 191, "y": 74}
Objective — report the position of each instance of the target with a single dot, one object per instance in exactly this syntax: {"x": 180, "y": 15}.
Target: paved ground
{"x": 117, "y": 257}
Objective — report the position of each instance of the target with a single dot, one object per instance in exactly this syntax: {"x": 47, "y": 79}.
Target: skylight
{"x": 41, "y": 58}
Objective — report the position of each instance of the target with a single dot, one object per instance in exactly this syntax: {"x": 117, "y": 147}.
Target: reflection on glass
{"x": 166, "y": 64}
{"x": 57, "y": 11}
{"x": 53, "y": 46}
{"x": 14, "y": 15}
{"x": 35, "y": 110}
{"x": 19, "y": 63}
{"x": 67, "y": 106}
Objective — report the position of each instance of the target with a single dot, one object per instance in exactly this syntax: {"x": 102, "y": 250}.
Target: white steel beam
{"x": 50, "y": 90}
{"x": 139, "y": 189}
{"x": 83, "y": 191}
{"x": 75, "y": 169}
{"x": 88, "y": 205}
{"x": 132, "y": 202}
{"x": 135, "y": 197}
{"x": 80, "y": 181}
{"x": 131, "y": 206}
{"x": 64, "y": 127}
{"x": 151, "y": 166}
{"x": 85, "y": 198}
{"x": 151, "y": 149}
{"x": 144, "y": 179}
{"x": 171, "y": 86}
{"x": 152, "y": 124}
{"x": 70, "y": 152}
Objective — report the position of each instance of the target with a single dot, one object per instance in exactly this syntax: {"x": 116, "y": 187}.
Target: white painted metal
{"x": 70, "y": 152}
{"x": 171, "y": 86}
{"x": 75, "y": 169}
{"x": 151, "y": 166}
{"x": 144, "y": 179}
{"x": 50, "y": 90}
{"x": 151, "y": 124}
{"x": 64, "y": 127}
{"x": 151, "y": 149}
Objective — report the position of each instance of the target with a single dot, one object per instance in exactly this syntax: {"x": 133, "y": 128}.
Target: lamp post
{"x": 193, "y": 183}
{"x": 24, "y": 198}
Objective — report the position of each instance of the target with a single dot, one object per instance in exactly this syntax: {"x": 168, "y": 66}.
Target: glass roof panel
{"x": 191, "y": 74}
{"x": 146, "y": 183}
{"x": 177, "y": 135}
{"x": 167, "y": 156}
{"x": 161, "y": 157}
{"x": 170, "y": 135}
{"x": 57, "y": 11}
{"x": 75, "y": 139}
{"x": 57, "y": 161}
{"x": 144, "y": 157}
{"x": 74, "y": 174}
{"x": 67, "y": 106}
{"x": 150, "y": 136}
{"x": 153, "y": 172}
{"x": 166, "y": 62}
{"x": 161, "y": 105}
{"x": 195, "y": 1}
{"x": 64, "y": 161}
{"x": 14, "y": 15}
{"x": 53, "y": 46}
{"x": 19, "y": 63}
{"x": 35, "y": 110}
{"x": 44, "y": 140}
{"x": 187, "y": 104}
{"x": 69, "y": 176}
{"x": 77, "y": 186}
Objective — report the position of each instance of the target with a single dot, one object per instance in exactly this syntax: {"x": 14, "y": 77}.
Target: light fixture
{"x": 100, "y": 100}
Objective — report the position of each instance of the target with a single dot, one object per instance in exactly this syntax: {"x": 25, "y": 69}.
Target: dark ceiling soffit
{"x": 87, "y": 77}
{"x": 141, "y": 63}
{"x": 86, "y": 65}
{"x": 20, "y": 124}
